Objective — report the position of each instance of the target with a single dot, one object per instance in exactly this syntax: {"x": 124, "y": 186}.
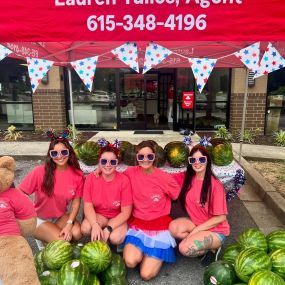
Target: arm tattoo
{"x": 199, "y": 246}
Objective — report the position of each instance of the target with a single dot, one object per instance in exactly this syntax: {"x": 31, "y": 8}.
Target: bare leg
{"x": 180, "y": 228}
{"x": 86, "y": 227}
{"x": 118, "y": 235}
{"x": 47, "y": 232}
{"x": 132, "y": 255}
{"x": 150, "y": 267}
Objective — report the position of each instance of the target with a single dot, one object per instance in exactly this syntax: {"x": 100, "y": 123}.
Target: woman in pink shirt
{"x": 148, "y": 241}
{"x": 203, "y": 197}
{"x": 58, "y": 186}
{"x": 107, "y": 200}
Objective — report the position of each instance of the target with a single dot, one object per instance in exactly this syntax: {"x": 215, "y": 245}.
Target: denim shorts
{"x": 220, "y": 236}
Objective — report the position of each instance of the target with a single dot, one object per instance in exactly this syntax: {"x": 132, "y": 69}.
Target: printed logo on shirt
{"x": 3, "y": 205}
{"x": 72, "y": 191}
{"x": 155, "y": 198}
{"x": 117, "y": 203}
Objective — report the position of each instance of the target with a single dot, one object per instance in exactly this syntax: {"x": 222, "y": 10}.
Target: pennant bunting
{"x": 202, "y": 68}
{"x": 86, "y": 68}
{"x": 128, "y": 53}
{"x": 4, "y": 52}
{"x": 154, "y": 54}
{"x": 38, "y": 68}
{"x": 271, "y": 61}
{"x": 250, "y": 56}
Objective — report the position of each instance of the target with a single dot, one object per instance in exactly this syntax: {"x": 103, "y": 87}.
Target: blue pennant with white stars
{"x": 128, "y": 54}
{"x": 4, "y": 52}
{"x": 154, "y": 55}
{"x": 86, "y": 68}
{"x": 250, "y": 56}
{"x": 202, "y": 68}
{"x": 38, "y": 68}
{"x": 271, "y": 61}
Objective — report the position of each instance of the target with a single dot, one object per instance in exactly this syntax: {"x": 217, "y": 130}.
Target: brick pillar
{"x": 256, "y": 102}
{"x": 49, "y": 103}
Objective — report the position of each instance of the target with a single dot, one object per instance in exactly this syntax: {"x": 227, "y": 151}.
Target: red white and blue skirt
{"x": 152, "y": 238}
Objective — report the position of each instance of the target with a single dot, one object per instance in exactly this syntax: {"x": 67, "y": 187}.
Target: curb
{"x": 264, "y": 189}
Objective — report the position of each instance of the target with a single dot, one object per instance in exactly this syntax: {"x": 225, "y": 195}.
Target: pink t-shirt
{"x": 199, "y": 214}
{"x": 152, "y": 193}
{"x": 108, "y": 197}
{"x": 68, "y": 184}
{"x": 14, "y": 205}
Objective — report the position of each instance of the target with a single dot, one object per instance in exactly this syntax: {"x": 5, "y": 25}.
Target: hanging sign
{"x": 187, "y": 100}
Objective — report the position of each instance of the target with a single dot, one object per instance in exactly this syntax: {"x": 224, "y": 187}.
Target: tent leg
{"x": 243, "y": 115}
{"x": 71, "y": 105}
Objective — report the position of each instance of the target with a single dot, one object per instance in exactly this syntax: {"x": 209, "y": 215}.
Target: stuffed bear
{"x": 17, "y": 219}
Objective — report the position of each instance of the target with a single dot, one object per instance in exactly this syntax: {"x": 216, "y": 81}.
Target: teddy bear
{"x": 17, "y": 220}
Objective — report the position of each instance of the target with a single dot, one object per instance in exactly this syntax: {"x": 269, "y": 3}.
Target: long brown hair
{"x": 190, "y": 173}
{"x": 50, "y": 166}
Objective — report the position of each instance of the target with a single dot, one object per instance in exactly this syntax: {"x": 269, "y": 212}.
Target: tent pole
{"x": 243, "y": 114}
{"x": 71, "y": 104}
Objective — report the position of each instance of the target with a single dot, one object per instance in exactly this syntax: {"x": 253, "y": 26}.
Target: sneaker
{"x": 210, "y": 257}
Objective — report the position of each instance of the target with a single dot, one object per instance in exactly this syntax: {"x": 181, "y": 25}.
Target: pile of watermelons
{"x": 63, "y": 263}
{"x": 255, "y": 259}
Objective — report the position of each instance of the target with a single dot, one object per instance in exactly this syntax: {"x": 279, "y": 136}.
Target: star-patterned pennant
{"x": 38, "y": 68}
{"x": 128, "y": 54}
{"x": 4, "y": 52}
{"x": 154, "y": 55}
{"x": 202, "y": 68}
{"x": 86, "y": 68}
{"x": 271, "y": 61}
{"x": 249, "y": 56}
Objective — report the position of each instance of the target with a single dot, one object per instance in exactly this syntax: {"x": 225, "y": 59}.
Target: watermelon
{"x": 48, "y": 277}
{"x": 278, "y": 261}
{"x": 219, "y": 272}
{"x": 77, "y": 250}
{"x": 231, "y": 252}
{"x": 130, "y": 156}
{"x": 117, "y": 281}
{"x": 252, "y": 238}
{"x": 124, "y": 146}
{"x": 160, "y": 157}
{"x": 240, "y": 284}
{"x": 96, "y": 255}
{"x": 57, "y": 253}
{"x": 88, "y": 152}
{"x": 265, "y": 277}
{"x": 176, "y": 154}
{"x": 117, "y": 268}
{"x": 222, "y": 154}
{"x": 73, "y": 272}
{"x": 276, "y": 240}
{"x": 39, "y": 264}
{"x": 93, "y": 280}
{"x": 249, "y": 261}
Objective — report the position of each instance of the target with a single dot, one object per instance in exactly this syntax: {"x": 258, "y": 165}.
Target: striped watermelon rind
{"x": 231, "y": 252}
{"x": 39, "y": 264}
{"x": 96, "y": 255}
{"x": 276, "y": 240}
{"x": 93, "y": 280}
{"x": 73, "y": 272}
{"x": 48, "y": 277}
{"x": 265, "y": 277}
{"x": 57, "y": 253}
{"x": 250, "y": 260}
{"x": 252, "y": 238}
{"x": 278, "y": 261}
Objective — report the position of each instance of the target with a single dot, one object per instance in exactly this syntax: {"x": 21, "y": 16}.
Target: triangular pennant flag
{"x": 86, "y": 68}
{"x": 271, "y": 61}
{"x": 154, "y": 54}
{"x": 4, "y": 52}
{"x": 128, "y": 54}
{"x": 38, "y": 68}
{"x": 202, "y": 68}
{"x": 250, "y": 56}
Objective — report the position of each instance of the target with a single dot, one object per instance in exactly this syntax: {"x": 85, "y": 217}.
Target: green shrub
{"x": 279, "y": 138}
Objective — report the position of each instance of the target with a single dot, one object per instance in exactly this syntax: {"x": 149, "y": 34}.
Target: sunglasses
{"x": 201, "y": 159}
{"x": 149, "y": 157}
{"x": 55, "y": 153}
{"x": 112, "y": 162}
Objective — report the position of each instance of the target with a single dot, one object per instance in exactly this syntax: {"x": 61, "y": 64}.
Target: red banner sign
{"x": 142, "y": 20}
{"x": 187, "y": 100}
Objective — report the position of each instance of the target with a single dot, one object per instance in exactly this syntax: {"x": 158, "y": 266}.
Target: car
{"x": 103, "y": 97}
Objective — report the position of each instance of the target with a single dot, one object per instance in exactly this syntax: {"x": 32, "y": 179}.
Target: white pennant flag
{"x": 250, "y": 56}
{"x": 38, "y": 68}
{"x": 154, "y": 54}
{"x": 86, "y": 68}
{"x": 4, "y": 52}
{"x": 202, "y": 68}
{"x": 271, "y": 61}
{"x": 128, "y": 53}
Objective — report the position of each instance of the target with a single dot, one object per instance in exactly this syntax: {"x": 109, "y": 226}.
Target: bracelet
{"x": 70, "y": 222}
